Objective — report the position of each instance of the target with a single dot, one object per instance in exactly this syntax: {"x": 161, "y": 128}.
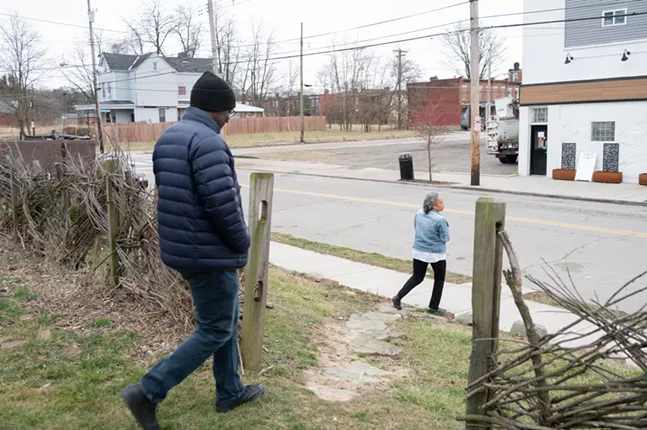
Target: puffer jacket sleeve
{"x": 219, "y": 192}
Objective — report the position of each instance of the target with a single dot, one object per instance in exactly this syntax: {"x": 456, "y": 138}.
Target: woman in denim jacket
{"x": 432, "y": 235}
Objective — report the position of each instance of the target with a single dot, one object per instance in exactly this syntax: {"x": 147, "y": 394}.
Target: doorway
{"x": 538, "y": 149}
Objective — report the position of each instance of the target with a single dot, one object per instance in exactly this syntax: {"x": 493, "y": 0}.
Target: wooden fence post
{"x": 111, "y": 166}
{"x": 14, "y": 201}
{"x": 256, "y": 273}
{"x": 60, "y": 175}
{"x": 486, "y": 297}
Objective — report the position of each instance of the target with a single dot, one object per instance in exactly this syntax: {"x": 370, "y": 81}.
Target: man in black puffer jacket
{"x": 204, "y": 237}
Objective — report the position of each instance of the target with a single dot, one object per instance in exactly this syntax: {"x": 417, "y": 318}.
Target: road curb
{"x": 551, "y": 196}
{"x": 463, "y": 188}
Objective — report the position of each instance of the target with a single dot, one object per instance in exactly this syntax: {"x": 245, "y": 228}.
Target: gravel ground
{"x": 450, "y": 156}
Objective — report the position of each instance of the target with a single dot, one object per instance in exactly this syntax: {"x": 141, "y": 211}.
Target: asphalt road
{"x": 601, "y": 245}
{"x": 450, "y": 154}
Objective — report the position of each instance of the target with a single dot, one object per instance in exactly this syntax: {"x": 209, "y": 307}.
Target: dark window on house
{"x": 155, "y": 66}
{"x": 181, "y": 91}
{"x": 614, "y": 17}
{"x": 162, "y": 114}
{"x": 603, "y": 131}
{"x": 103, "y": 90}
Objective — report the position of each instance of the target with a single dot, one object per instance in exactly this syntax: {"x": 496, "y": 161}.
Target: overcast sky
{"x": 284, "y": 17}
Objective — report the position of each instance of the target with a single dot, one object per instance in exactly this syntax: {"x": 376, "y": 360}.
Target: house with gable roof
{"x": 149, "y": 87}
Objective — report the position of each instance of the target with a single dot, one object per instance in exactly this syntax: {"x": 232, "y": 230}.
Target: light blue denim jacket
{"x": 432, "y": 232}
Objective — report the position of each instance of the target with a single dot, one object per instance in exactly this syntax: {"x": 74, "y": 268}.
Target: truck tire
{"x": 508, "y": 159}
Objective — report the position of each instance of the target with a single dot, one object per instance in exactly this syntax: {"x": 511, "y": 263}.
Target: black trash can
{"x": 406, "y": 167}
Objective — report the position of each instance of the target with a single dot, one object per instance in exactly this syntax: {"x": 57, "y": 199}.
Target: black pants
{"x": 419, "y": 272}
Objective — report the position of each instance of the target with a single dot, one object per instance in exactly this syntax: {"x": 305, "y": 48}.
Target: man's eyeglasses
{"x": 232, "y": 112}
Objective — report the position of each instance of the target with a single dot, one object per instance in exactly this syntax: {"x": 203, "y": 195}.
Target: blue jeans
{"x": 215, "y": 297}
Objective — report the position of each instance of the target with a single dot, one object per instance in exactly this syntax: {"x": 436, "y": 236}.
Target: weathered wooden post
{"x": 486, "y": 298}
{"x": 14, "y": 200}
{"x": 256, "y": 272}
{"x": 111, "y": 166}
{"x": 60, "y": 175}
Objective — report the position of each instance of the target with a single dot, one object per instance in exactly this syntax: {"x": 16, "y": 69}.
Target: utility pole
{"x": 475, "y": 97}
{"x": 489, "y": 91}
{"x": 400, "y": 54}
{"x": 94, "y": 79}
{"x": 212, "y": 30}
{"x": 303, "y": 121}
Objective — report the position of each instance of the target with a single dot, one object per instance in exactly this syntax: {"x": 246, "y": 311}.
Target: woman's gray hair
{"x": 430, "y": 201}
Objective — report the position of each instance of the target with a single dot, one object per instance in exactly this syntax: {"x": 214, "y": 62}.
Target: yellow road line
{"x": 466, "y": 212}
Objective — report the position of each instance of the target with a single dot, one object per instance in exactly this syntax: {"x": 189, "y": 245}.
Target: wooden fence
{"x": 48, "y": 153}
{"x": 144, "y": 132}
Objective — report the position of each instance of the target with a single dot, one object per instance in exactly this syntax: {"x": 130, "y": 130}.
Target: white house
{"x": 148, "y": 87}
{"x": 584, "y": 86}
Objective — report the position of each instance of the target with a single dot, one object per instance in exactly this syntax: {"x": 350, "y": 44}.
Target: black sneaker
{"x": 397, "y": 303}
{"x": 438, "y": 311}
{"x": 252, "y": 392}
{"x": 142, "y": 408}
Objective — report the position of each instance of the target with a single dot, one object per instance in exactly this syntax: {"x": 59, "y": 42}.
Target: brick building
{"x": 444, "y": 101}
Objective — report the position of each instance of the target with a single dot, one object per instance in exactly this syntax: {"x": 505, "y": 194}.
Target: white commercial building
{"x": 585, "y": 86}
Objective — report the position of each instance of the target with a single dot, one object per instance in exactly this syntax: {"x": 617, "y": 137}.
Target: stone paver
{"x": 357, "y": 373}
{"x": 367, "y": 334}
{"x": 369, "y": 345}
{"x": 331, "y": 394}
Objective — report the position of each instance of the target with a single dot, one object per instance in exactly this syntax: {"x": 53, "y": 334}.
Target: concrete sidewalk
{"x": 457, "y": 299}
{"x": 625, "y": 193}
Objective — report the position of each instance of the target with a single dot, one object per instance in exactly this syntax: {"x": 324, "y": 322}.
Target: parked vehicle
{"x": 503, "y": 132}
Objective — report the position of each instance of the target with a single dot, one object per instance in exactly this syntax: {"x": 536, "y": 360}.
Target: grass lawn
{"x": 268, "y": 139}
{"x": 373, "y": 259}
{"x": 69, "y": 378}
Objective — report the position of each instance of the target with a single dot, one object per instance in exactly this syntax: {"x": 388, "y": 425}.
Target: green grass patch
{"x": 23, "y": 294}
{"x": 71, "y": 381}
{"x": 101, "y": 322}
{"x": 373, "y": 259}
{"x": 542, "y": 297}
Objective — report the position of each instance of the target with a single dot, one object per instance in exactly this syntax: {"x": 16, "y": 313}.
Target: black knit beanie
{"x": 212, "y": 94}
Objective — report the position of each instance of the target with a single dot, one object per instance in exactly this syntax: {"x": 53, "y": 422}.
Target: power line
{"x": 373, "y": 24}
{"x": 388, "y": 20}
{"x": 67, "y": 24}
{"x": 533, "y": 12}
{"x": 557, "y": 21}
{"x": 335, "y": 50}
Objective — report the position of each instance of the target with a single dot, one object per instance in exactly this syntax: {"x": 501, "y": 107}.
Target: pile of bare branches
{"x": 570, "y": 379}
{"x": 64, "y": 219}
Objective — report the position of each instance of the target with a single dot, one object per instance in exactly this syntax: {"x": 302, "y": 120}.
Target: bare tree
{"x": 153, "y": 26}
{"x": 79, "y": 75}
{"x": 260, "y": 71}
{"x": 457, "y": 50}
{"x": 22, "y": 55}
{"x": 346, "y": 74}
{"x": 227, "y": 49}
{"x": 430, "y": 123}
{"x": 113, "y": 46}
{"x": 375, "y": 98}
{"x": 136, "y": 41}
{"x": 404, "y": 70}
{"x": 188, "y": 29}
